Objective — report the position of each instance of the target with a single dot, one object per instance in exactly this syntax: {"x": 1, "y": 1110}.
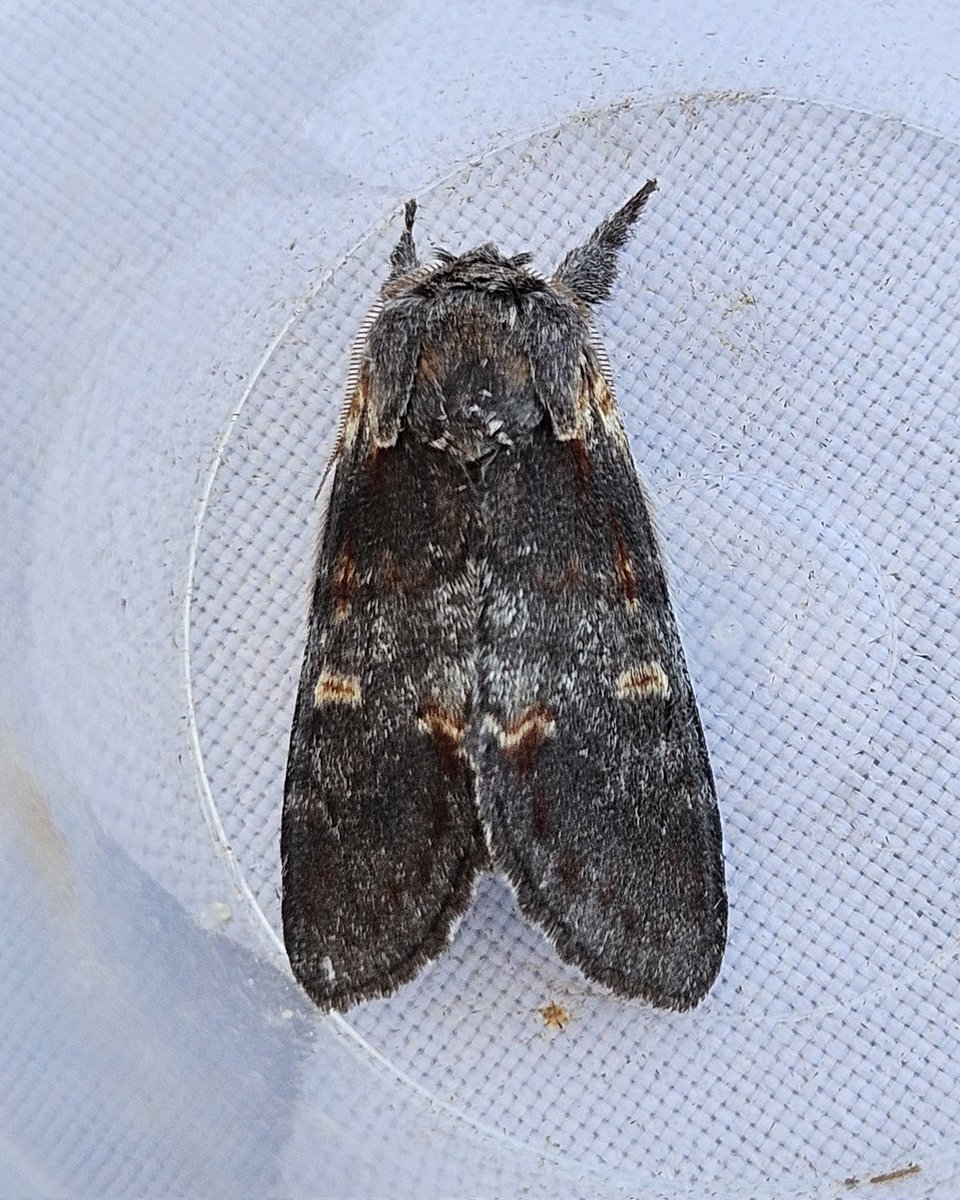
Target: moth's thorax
{"x": 491, "y": 346}
{"x": 473, "y": 388}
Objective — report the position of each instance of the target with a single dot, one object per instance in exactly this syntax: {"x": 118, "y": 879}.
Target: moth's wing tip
{"x": 650, "y": 987}
{"x": 336, "y": 989}
{"x": 678, "y": 983}
{"x": 342, "y": 1000}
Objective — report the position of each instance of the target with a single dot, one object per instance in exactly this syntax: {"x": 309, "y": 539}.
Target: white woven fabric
{"x": 203, "y": 211}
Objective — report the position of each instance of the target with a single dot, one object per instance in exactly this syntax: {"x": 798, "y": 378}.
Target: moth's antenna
{"x": 404, "y": 256}
{"x": 590, "y": 269}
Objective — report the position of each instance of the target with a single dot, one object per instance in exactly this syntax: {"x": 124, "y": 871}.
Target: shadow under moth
{"x": 493, "y": 678}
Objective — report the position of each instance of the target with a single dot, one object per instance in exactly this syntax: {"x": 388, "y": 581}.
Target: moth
{"x": 493, "y": 677}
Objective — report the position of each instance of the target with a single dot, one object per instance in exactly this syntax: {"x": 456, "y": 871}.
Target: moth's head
{"x": 484, "y": 270}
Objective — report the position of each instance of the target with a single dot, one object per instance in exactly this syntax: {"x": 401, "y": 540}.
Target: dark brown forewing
{"x": 593, "y": 772}
{"x": 381, "y": 841}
